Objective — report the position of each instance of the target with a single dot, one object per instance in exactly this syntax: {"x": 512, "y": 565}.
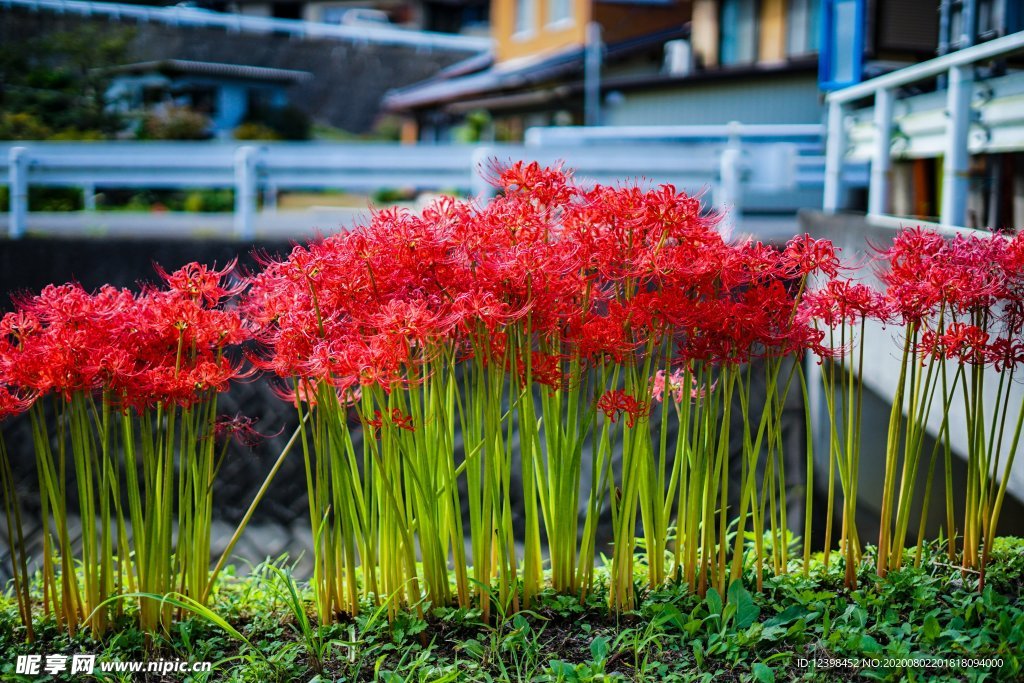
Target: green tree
{"x": 54, "y": 84}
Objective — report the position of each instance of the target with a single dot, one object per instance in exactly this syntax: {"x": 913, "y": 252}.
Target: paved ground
{"x": 279, "y": 225}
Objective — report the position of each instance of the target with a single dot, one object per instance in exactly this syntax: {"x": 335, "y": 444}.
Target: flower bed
{"x": 918, "y": 623}
{"x": 468, "y": 338}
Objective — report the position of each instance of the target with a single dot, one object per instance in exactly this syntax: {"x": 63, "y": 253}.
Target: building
{"x": 664, "y": 63}
{"x": 686, "y": 61}
{"x": 536, "y": 73}
{"x": 945, "y": 139}
{"x": 467, "y": 17}
{"x": 227, "y": 94}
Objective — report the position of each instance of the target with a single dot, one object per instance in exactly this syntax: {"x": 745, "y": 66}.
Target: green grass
{"x": 264, "y": 631}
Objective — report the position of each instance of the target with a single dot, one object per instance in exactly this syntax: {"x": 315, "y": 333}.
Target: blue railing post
{"x": 835, "y": 150}
{"x": 245, "y": 191}
{"x": 18, "y": 174}
{"x": 956, "y": 161}
{"x": 89, "y": 197}
{"x": 480, "y": 184}
{"x": 881, "y": 161}
{"x": 729, "y": 176}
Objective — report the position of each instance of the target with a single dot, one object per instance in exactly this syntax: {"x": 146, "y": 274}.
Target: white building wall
{"x": 790, "y": 99}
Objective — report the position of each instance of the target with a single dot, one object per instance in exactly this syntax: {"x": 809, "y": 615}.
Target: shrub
{"x": 255, "y": 131}
{"x": 176, "y": 123}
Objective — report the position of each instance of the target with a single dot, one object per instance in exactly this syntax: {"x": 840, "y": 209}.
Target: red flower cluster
{"x": 160, "y": 346}
{"x": 546, "y": 274}
{"x": 966, "y": 295}
{"x": 548, "y": 268}
{"x": 396, "y": 417}
{"x": 616, "y": 402}
{"x": 842, "y": 301}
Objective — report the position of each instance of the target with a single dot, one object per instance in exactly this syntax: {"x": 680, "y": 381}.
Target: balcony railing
{"x": 958, "y": 118}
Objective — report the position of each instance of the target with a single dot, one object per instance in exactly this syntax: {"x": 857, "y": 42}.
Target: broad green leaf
{"x": 746, "y": 611}
{"x": 931, "y": 629}
{"x": 786, "y": 616}
{"x": 869, "y": 644}
{"x": 714, "y": 601}
{"x": 599, "y": 649}
{"x": 763, "y": 673}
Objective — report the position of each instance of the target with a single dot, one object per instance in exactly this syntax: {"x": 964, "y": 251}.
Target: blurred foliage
{"x": 47, "y": 199}
{"x": 392, "y": 195}
{"x": 193, "y": 200}
{"x": 23, "y": 126}
{"x": 217, "y": 201}
{"x": 255, "y": 131}
{"x": 474, "y": 129}
{"x": 53, "y": 85}
{"x": 71, "y": 199}
{"x": 387, "y": 129}
{"x": 175, "y": 123}
{"x": 286, "y": 123}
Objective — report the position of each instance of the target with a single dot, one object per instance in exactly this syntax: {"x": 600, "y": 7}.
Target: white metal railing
{"x": 881, "y": 374}
{"x": 811, "y": 133}
{"x": 958, "y": 68}
{"x": 186, "y": 16}
{"x": 737, "y": 172}
{"x": 752, "y": 157}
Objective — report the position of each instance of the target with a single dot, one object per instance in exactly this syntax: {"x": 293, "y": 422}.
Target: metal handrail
{"x": 958, "y": 69}
{"x": 579, "y": 134}
{"x": 762, "y": 168}
{"x": 931, "y": 68}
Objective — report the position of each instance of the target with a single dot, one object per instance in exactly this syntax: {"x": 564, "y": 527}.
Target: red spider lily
{"x": 11, "y": 404}
{"x": 546, "y": 370}
{"x": 677, "y": 387}
{"x": 968, "y": 343}
{"x": 602, "y": 336}
{"x": 912, "y": 293}
{"x": 1005, "y": 353}
{"x": 616, "y": 402}
{"x": 159, "y": 346}
{"x": 547, "y": 184}
{"x": 805, "y": 255}
{"x": 201, "y": 283}
{"x": 240, "y": 429}
{"x": 396, "y": 417}
{"x": 843, "y": 301}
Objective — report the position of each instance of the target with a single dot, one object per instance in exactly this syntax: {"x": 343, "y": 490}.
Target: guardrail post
{"x": 89, "y": 197}
{"x": 729, "y": 175}
{"x": 956, "y": 162}
{"x": 881, "y": 161}
{"x": 18, "y": 202}
{"x": 270, "y": 198}
{"x": 835, "y": 150}
{"x": 245, "y": 191}
{"x": 480, "y": 184}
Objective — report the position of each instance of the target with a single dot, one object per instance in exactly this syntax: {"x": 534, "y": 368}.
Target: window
{"x": 988, "y": 22}
{"x": 526, "y": 16}
{"x": 803, "y": 27}
{"x": 738, "y": 32}
{"x": 559, "y": 11}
